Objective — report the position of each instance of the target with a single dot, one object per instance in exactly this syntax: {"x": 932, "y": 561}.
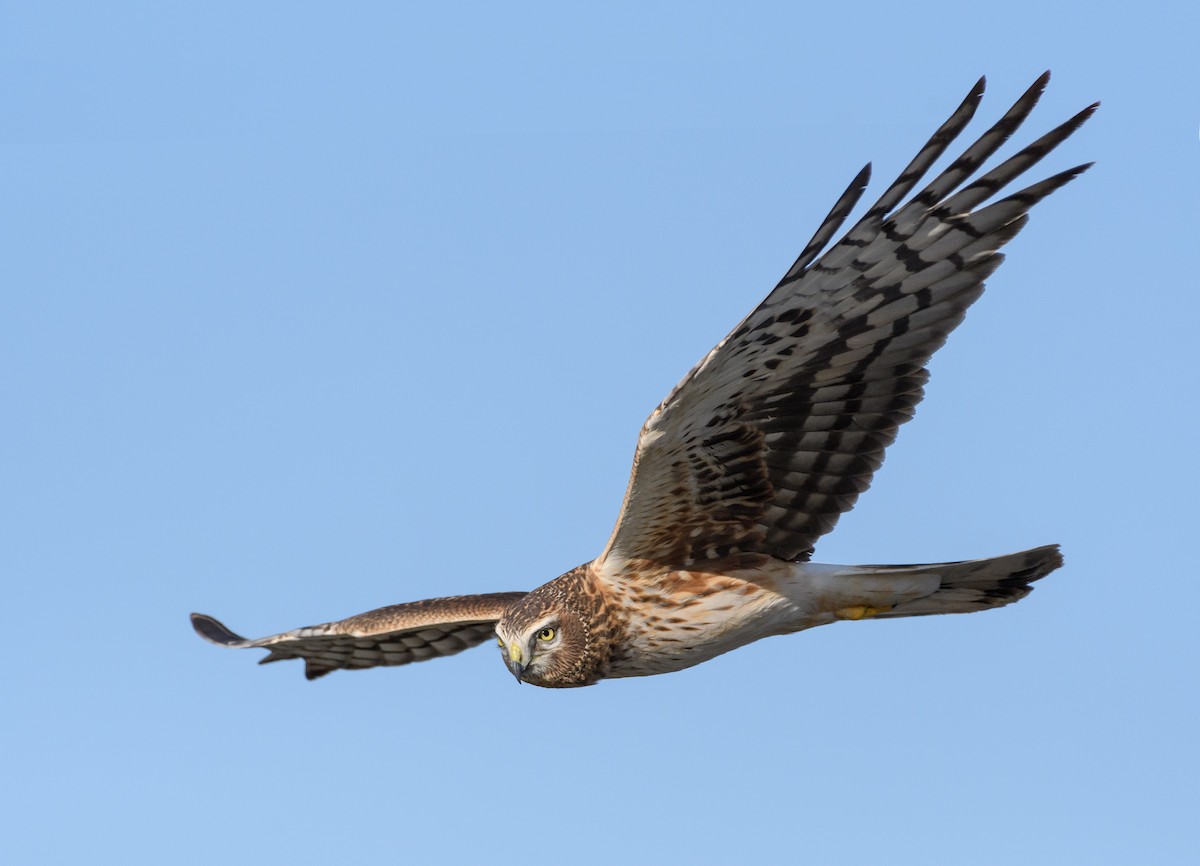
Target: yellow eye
{"x": 546, "y": 634}
{"x": 499, "y": 641}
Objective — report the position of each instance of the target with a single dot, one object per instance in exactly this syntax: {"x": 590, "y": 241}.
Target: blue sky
{"x": 310, "y": 308}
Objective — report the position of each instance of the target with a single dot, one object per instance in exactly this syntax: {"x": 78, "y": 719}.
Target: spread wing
{"x": 772, "y": 436}
{"x": 394, "y": 635}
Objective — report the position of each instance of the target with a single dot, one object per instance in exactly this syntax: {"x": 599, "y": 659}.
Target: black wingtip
{"x": 214, "y": 631}
{"x": 972, "y": 100}
{"x": 1064, "y": 177}
{"x": 1081, "y": 118}
{"x": 1039, "y": 562}
{"x": 1033, "y": 93}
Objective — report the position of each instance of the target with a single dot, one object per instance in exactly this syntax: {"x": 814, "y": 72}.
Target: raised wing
{"x": 774, "y": 434}
{"x": 395, "y": 635}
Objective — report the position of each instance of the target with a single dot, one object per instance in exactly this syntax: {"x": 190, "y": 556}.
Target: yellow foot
{"x": 860, "y": 611}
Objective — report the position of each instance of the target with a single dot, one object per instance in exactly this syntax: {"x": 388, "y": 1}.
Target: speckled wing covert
{"x": 394, "y": 635}
{"x": 775, "y": 433}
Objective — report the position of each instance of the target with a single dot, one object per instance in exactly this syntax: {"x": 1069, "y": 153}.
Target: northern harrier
{"x": 755, "y": 455}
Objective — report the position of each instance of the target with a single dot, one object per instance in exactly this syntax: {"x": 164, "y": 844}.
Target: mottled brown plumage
{"x": 757, "y": 453}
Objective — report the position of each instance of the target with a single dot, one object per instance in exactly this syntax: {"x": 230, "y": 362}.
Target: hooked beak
{"x": 515, "y": 657}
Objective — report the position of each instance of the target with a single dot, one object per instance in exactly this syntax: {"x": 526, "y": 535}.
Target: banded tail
{"x": 878, "y": 591}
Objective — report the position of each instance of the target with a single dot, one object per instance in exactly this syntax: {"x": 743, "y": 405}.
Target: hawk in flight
{"x": 755, "y": 455}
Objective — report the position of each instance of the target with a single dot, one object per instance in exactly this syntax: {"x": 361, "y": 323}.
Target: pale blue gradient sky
{"x": 309, "y": 308}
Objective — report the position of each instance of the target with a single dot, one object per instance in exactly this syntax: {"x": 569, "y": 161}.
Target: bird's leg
{"x": 859, "y": 611}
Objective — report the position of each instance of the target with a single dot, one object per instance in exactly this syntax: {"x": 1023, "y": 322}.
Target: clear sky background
{"x": 311, "y": 308}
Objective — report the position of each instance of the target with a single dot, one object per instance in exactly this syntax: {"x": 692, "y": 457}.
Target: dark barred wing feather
{"x": 395, "y": 635}
{"x": 774, "y": 434}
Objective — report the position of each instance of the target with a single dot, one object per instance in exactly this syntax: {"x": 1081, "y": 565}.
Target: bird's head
{"x": 547, "y": 641}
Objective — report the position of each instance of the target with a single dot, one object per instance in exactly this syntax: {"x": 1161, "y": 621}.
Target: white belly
{"x": 684, "y": 618}
{"x": 690, "y": 618}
